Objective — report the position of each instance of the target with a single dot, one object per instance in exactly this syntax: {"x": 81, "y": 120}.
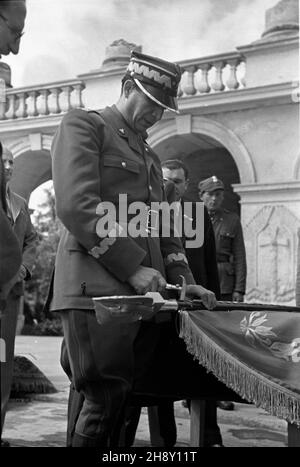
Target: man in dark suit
{"x": 202, "y": 261}
{"x": 12, "y": 18}
{"x": 203, "y": 264}
{"x": 24, "y": 232}
{"x": 10, "y": 254}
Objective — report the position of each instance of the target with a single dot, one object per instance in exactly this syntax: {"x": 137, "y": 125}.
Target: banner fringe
{"x": 250, "y": 385}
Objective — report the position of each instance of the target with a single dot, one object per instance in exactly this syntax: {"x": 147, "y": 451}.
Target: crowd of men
{"x": 98, "y": 156}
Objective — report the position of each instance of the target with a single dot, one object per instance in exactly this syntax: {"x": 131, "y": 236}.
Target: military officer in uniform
{"x": 96, "y": 158}
{"x": 230, "y": 247}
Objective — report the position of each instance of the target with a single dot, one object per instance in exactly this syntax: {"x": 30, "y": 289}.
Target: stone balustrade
{"x": 223, "y": 72}
{"x": 217, "y": 73}
{"x": 41, "y": 100}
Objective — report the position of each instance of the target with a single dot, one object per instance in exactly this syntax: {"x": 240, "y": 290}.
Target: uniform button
{"x": 123, "y": 164}
{"x": 121, "y": 130}
{"x": 150, "y": 187}
{"x": 147, "y": 149}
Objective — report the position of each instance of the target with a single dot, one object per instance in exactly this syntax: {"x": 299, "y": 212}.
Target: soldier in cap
{"x": 230, "y": 247}
{"x": 231, "y": 255}
{"x": 96, "y": 158}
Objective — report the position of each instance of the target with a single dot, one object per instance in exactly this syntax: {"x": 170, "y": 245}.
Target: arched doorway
{"x": 31, "y": 169}
{"x": 203, "y": 157}
{"x": 208, "y": 148}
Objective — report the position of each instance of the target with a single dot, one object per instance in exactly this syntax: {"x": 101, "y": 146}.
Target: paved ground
{"x": 41, "y": 421}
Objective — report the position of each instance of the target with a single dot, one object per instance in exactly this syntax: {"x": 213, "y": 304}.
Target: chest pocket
{"x": 226, "y": 239}
{"x": 117, "y": 162}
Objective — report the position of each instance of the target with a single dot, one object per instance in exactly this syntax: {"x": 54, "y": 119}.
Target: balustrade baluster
{"x": 188, "y": 87}
{"x": 203, "y": 86}
{"x": 44, "y": 107}
{"x": 78, "y": 95}
{"x": 217, "y": 84}
{"x": 232, "y": 82}
{"x": 32, "y": 108}
{"x": 66, "y": 102}
{"x": 2, "y": 111}
{"x": 242, "y": 72}
{"x": 11, "y": 112}
{"x": 2, "y": 99}
{"x": 22, "y": 106}
{"x": 55, "y": 107}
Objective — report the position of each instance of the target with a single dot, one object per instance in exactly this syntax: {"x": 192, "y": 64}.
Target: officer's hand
{"x": 237, "y": 297}
{"x": 22, "y": 273}
{"x": 207, "y": 296}
{"x": 147, "y": 280}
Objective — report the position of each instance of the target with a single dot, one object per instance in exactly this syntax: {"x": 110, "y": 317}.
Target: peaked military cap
{"x": 156, "y": 78}
{"x": 210, "y": 184}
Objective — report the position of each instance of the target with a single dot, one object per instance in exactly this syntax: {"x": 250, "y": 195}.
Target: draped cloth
{"x": 257, "y": 354}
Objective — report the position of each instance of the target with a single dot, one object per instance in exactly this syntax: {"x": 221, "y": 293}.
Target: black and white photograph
{"x": 149, "y": 226}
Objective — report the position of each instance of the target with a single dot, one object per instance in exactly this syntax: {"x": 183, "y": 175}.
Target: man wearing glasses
{"x": 12, "y": 18}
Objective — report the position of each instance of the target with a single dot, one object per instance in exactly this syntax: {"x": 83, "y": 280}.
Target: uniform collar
{"x": 214, "y": 215}
{"x": 135, "y": 140}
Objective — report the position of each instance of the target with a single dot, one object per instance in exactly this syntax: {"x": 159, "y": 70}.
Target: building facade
{"x": 239, "y": 120}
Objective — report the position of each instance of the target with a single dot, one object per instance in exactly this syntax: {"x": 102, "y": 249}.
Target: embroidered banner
{"x": 257, "y": 354}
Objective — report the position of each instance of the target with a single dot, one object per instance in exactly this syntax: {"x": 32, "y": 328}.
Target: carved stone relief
{"x": 271, "y": 245}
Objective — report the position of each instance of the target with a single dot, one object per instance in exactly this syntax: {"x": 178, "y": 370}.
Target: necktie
{"x": 9, "y": 211}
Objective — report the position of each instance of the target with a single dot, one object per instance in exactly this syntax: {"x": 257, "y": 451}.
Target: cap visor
{"x": 158, "y": 96}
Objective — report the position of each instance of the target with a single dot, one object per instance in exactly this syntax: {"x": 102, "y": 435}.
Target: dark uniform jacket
{"x": 174, "y": 373}
{"x": 26, "y": 237}
{"x": 202, "y": 260}
{"x": 231, "y": 255}
{"x": 10, "y": 254}
{"x": 96, "y": 157}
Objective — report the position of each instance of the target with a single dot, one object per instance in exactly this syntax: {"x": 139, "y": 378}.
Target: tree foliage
{"x": 48, "y": 227}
